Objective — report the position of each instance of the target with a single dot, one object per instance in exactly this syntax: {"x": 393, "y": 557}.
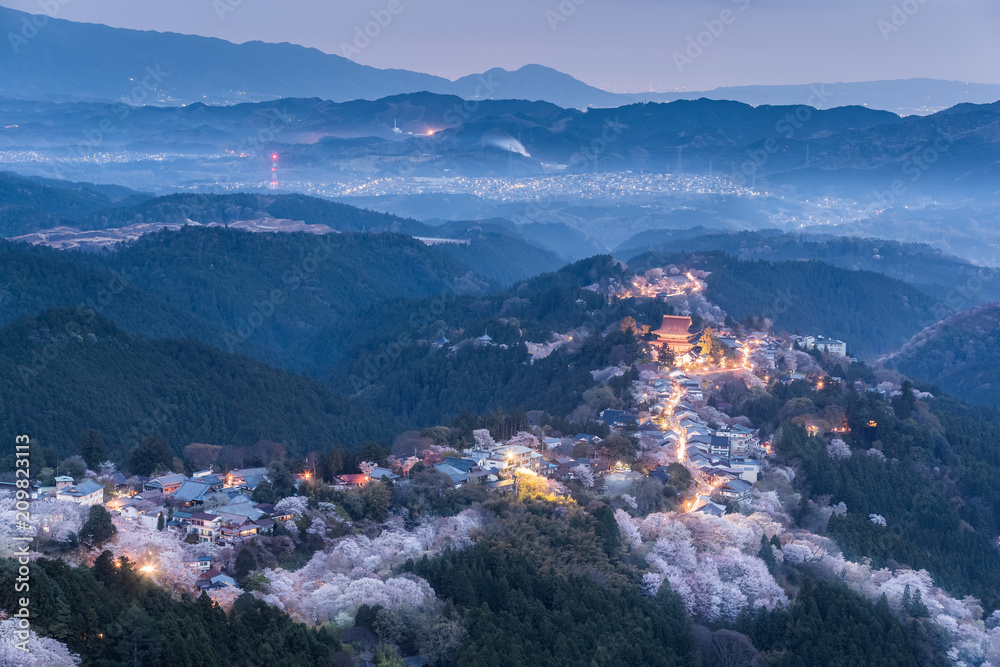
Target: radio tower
{"x": 274, "y": 171}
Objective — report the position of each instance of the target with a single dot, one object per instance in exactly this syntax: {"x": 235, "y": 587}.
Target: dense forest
{"x": 927, "y": 468}
{"x": 66, "y": 371}
{"x": 112, "y": 615}
{"x": 959, "y": 354}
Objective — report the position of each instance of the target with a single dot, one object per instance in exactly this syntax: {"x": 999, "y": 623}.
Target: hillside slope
{"x": 63, "y": 372}
{"x": 959, "y": 354}
{"x": 872, "y": 313}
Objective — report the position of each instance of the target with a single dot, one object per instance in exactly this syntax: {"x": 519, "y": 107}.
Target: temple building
{"x": 673, "y": 334}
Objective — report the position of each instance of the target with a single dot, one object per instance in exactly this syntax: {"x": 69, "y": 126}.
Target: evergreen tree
{"x": 153, "y": 451}
{"x": 245, "y": 564}
{"x": 766, "y": 554}
{"x": 160, "y": 523}
{"x": 282, "y": 481}
{"x": 264, "y": 493}
{"x": 92, "y": 448}
{"x": 98, "y": 528}
{"x": 917, "y": 607}
{"x": 608, "y": 531}
{"x": 335, "y": 461}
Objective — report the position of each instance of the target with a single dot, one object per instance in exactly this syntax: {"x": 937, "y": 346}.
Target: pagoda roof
{"x": 674, "y": 325}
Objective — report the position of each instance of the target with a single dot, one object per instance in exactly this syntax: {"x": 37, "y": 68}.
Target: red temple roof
{"x": 674, "y": 326}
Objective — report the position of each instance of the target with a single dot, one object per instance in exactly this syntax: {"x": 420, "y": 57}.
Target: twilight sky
{"x": 619, "y": 45}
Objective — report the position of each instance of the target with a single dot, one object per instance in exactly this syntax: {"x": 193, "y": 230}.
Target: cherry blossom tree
{"x": 367, "y": 467}
{"x": 628, "y": 529}
{"x": 42, "y": 651}
{"x": 525, "y": 439}
{"x": 483, "y": 439}
{"x": 585, "y": 474}
{"x": 838, "y": 449}
{"x": 296, "y": 505}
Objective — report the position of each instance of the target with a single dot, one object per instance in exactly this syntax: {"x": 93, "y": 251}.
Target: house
{"x": 269, "y": 510}
{"x": 207, "y": 526}
{"x": 116, "y": 478}
{"x": 192, "y": 493}
{"x": 660, "y": 474}
{"x": 88, "y": 493}
{"x": 62, "y": 482}
{"x": 247, "y": 478}
{"x": 165, "y": 484}
{"x": 350, "y": 481}
{"x": 719, "y": 446}
{"x": 826, "y": 345}
{"x": 618, "y": 419}
{"x": 748, "y": 469}
{"x": 508, "y": 458}
{"x": 237, "y": 528}
{"x": 585, "y": 439}
{"x": 383, "y": 473}
{"x": 736, "y": 489}
{"x": 198, "y": 563}
{"x": 706, "y": 506}
{"x": 213, "y": 579}
{"x": 649, "y": 426}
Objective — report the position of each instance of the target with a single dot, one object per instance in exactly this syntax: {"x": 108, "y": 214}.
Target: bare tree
{"x": 731, "y": 649}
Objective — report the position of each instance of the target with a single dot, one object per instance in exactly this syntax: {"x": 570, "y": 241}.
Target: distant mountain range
{"x": 854, "y": 150}
{"x": 65, "y": 60}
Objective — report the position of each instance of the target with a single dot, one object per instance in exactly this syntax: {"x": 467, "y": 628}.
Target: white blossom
{"x": 42, "y": 651}
{"x": 838, "y": 449}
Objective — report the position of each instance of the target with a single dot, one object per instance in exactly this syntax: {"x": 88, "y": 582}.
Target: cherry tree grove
{"x": 355, "y": 570}
{"x": 974, "y": 640}
{"x": 42, "y": 651}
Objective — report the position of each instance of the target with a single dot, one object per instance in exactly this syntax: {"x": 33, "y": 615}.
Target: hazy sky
{"x": 620, "y": 45}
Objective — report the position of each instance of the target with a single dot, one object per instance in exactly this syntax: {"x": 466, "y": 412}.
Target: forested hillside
{"x": 113, "y": 615}
{"x": 959, "y": 354}
{"x": 28, "y": 204}
{"x": 938, "y": 274}
{"x": 872, "y": 313}
{"x": 66, "y": 371}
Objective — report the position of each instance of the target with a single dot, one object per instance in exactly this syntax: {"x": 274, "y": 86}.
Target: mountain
{"x": 28, "y": 204}
{"x": 33, "y": 279}
{"x": 62, "y": 372}
{"x": 872, "y": 313}
{"x": 536, "y": 83}
{"x": 256, "y": 294}
{"x": 82, "y": 61}
{"x": 900, "y": 96}
{"x": 932, "y": 271}
{"x": 65, "y": 60}
{"x": 960, "y": 354}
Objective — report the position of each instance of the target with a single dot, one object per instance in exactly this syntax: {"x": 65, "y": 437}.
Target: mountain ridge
{"x": 93, "y": 66}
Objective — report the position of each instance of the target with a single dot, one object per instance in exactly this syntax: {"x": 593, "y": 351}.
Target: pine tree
{"x": 160, "y": 523}
{"x": 92, "y": 448}
{"x": 766, "y": 554}
{"x": 98, "y": 529}
{"x": 917, "y": 607}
